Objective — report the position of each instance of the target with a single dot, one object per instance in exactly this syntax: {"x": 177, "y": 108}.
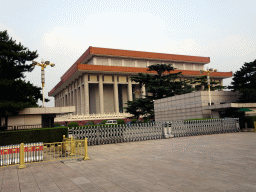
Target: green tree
{"x": 244, "y": 81}
{"x": 163, "y": 84}
{"x": 202, "y": 81}
{"x": 137, "y": 107}
{"x": 16, "y": 94}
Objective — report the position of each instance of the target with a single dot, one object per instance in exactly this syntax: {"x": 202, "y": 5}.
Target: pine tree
{"x": 16, "y": 94}
{"x": 202, "y": 81}
{"x": 165, "y": 83}
{"x": 244, "y": 81}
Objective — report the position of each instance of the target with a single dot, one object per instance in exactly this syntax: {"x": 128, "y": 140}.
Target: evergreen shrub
{"x": 134, "y": 120}
{"x": 250, "y": 121}
{"x": 56, "y": 125}
{"x": 73, "y": 124}
{"x": 120, "y": 121}
{"x": 90, "y": 122}
{"x": 103, "y": 122}
{"x": 46, "y": 135}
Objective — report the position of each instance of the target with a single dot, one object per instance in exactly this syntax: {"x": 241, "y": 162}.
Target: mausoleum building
{"x": 99, "y": 81}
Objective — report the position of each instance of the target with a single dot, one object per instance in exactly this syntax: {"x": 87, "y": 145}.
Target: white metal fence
{"x": 137, "y": 132}
{"x": 118, "y": 133}
{"x": 200, "y": 127}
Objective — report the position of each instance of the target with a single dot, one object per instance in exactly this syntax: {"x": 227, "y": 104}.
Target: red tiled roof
{"x": 87, "y": 67}
{"x": 142, "y": 55}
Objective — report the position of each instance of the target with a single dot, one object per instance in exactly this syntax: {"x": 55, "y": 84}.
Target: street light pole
{"x": 208, "y": 71}
{"x": 43, "y": 65}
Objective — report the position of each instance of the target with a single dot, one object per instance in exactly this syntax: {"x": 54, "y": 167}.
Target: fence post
{"x": 98, "y": 135}
{"x": 85, "y": 150}
{"x": 72, "y": 146}
{"x": 22, "y": 157}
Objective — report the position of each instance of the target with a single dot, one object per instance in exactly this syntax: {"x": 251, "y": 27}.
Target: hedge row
{"x": 46, "y": 135}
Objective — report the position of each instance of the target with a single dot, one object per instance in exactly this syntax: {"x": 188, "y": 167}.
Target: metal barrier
{"x": 36, "y": 152}
{"x": 147, "y": 131}
{"x": 68, "y": 149}
{"x": 19, "y": 127}
{"x": 10, "y": 154}
{"x": 200, "y": 127}
{"x": 118, "y": 133}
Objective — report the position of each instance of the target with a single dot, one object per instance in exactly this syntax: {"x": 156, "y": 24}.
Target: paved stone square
{"x": 222, "y": 162}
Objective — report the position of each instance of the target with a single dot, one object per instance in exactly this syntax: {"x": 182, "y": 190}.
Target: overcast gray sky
{"x": 61, "y": 30}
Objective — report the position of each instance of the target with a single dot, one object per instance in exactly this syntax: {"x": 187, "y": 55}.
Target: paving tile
{"x": 41, "y": 177}
{"x": 65, "y": 184}
{"x": 28, "y": 185}
{"x": 75, "y": 190}
{"x": 10, "y": 186}
{"x": 129, "y": 185}
{"x": 31, "y": 190}
{"x": 26, "y": 179}
{"x": 10, "y": 190}
{"x": 79, "y": 180}
{"x": 89, "y": 187}
{"x": 50, "y": 190}
{"x": 10, "y": 178}
{"x": 48, "y": 187}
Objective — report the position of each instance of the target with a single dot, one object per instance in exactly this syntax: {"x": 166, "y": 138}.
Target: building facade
{"x": 99, "y": 81}
{"x": 36, "y": 117}
{"x": 194, "y": 105}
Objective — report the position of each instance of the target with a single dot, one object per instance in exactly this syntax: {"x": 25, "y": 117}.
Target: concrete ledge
{"x": 48, "y": 110}
{"x": 247, "y": 130}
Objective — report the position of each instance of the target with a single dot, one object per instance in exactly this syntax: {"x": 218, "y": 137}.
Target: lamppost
{"x": 208, "y": 71}
{"x": 43, "y": 65}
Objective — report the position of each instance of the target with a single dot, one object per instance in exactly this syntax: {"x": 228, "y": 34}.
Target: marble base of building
{"x": 91, "y": 117}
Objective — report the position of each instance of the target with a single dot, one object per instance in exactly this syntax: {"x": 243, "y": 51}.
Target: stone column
{"x": 109, "y": 62}
{"x": 58, "y": 99}
{"x": 79, "y": 99}
{"x": 67, "y": 100}
{"x": 116, "y": 95}
{"x": 143, "y": 91}
{"x": 221, "y": 82}
{"x": 72, "y": 95}
{"x": 76, "y": 90}
{"x": 136, "y": 63}
{"x": 79, "y": 81}
{"x": 68, "y": 95}
{"x": 64, "y": 98}
{"x": 129, "y": 89}
{"x": 82, "y": 96}
{"x": 193, "y": 87}
{"x": 101, "y": 94}
{"x": 86, "y": 95}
